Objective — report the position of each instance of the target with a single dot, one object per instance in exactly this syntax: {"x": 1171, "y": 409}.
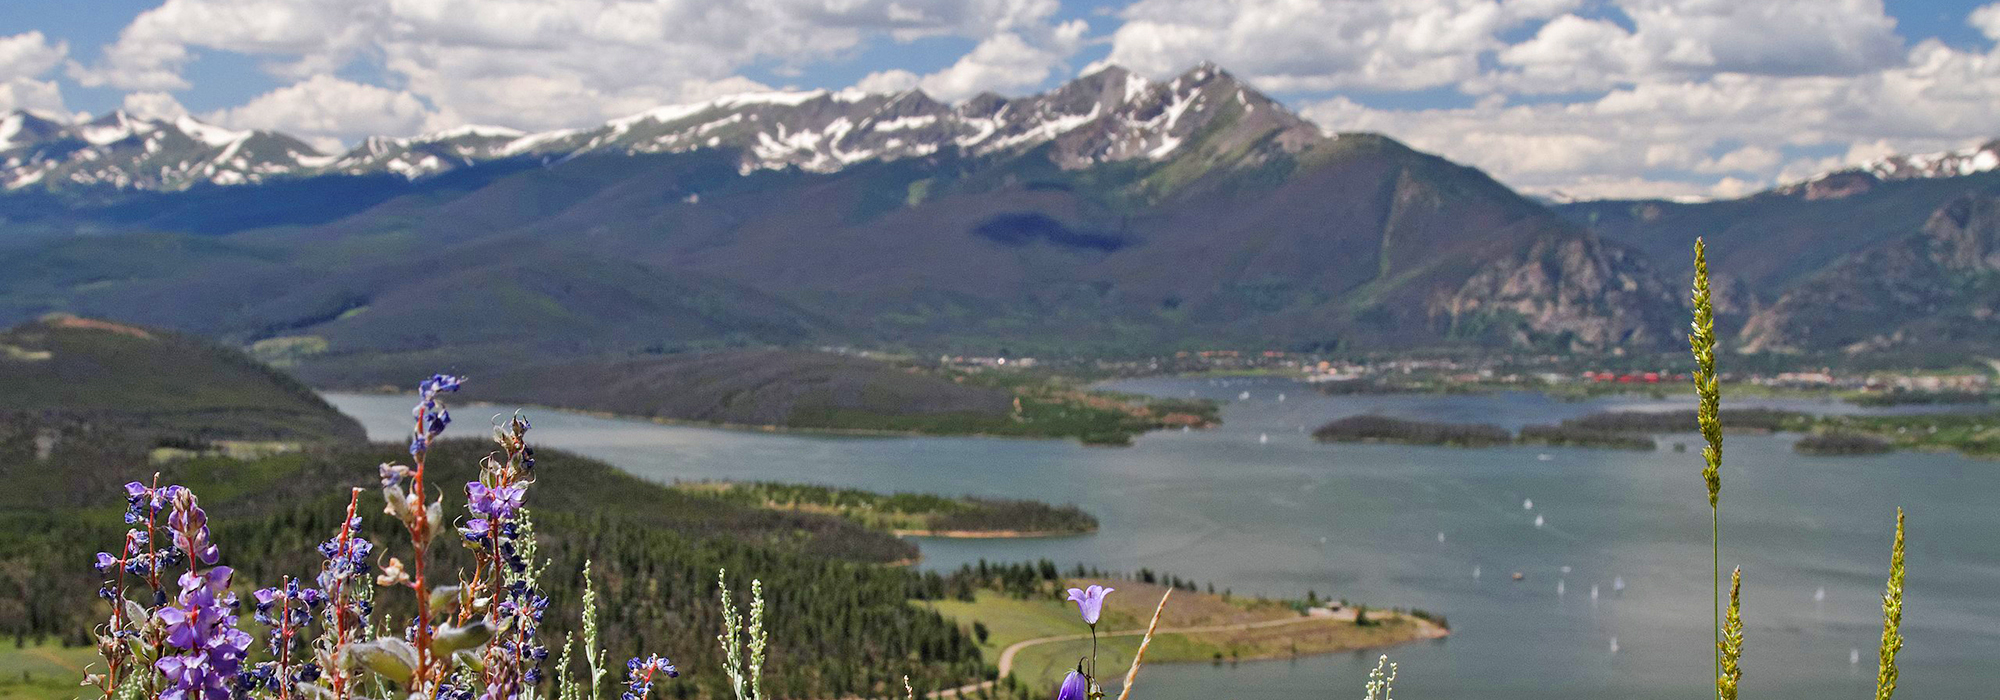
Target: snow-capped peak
{"x": 1964, "y": 161}
{"x": 1862, "y": 177}
{"x": 208, "y": 133}
{"x": 481, "y": 131}
{"x": 1107, "y": 115}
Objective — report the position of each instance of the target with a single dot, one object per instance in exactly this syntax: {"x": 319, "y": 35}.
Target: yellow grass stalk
{"x": 1892, "y": 617}
{"x": 1732, "y": 640}
{"x": 1132, "y": 674}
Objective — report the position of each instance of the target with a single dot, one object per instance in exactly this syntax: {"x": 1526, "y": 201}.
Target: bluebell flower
{"x": 1090, "y": 601}
{"x": 1074, "y": 687}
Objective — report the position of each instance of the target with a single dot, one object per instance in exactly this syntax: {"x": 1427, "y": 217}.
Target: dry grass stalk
{"x": 1138, "y": 657}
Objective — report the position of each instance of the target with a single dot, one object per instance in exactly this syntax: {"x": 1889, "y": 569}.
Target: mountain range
{"x": 1114, "y": 214}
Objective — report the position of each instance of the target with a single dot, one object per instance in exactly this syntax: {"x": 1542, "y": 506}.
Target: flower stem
{"x": 418, "y": 541}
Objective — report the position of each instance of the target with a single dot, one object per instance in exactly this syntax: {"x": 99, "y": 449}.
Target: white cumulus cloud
{"x": 1285, "y": 45}
{"x": 24, "y": 60}
{"x": 153, "y": 105}
{"x": 555, "y": 63}
{"x": 324, "y": 110}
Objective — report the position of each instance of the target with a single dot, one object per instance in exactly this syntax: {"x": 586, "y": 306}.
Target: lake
{"x": 1258, "y": 507}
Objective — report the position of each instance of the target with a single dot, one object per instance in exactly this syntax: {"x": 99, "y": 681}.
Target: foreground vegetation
{"x": 907, "y": 513}
{"x": 654, "y": 551}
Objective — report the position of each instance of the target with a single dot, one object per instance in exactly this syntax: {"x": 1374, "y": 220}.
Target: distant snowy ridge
{"x": 1860, "y": 178}
{"x": 1109, "y": 115}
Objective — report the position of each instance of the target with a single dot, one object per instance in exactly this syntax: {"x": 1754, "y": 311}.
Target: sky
{"x": 1578, "y": 98}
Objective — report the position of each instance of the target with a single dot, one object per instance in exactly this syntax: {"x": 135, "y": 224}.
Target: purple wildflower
{"x": 474, "y": 531}
{"x": 353, "y": 564}
{"x": 189, "y": 524}
{"x": 143, "y": 502}
{"x": 1074, "y": 686}
{"x": 497, "y": 502}
{"x": 202, "y": 623}
{"x": 431, "y": 418}
{"x": 291, "y": 604}
{"x": 1090, "y": 601}
{"x": 639, "y": 675}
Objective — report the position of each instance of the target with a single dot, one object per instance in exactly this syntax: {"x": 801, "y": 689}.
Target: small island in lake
{"x": 804, "y": 390}
{"x": 1765, "y": 420}
{"x": 1572, "y": 436}
{"x": 1974, "y": 434}
{"x": 915, "y": 514}
{"x": 1371, "y": 428}
{"x": 1837, "y": 443}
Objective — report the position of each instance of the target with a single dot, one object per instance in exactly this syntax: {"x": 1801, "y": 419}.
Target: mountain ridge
{"x": 1108, "y": 115}
{"x": 1113, "y": 214}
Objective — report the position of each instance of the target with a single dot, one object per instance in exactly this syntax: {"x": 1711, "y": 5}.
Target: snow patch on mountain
{"x": 1110, "y": 115}
{"x": 1851, "y": 181}
{"x": 209, "y": 133}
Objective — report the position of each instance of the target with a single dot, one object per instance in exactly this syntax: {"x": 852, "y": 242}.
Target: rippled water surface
{"x": 1258, "y": 507}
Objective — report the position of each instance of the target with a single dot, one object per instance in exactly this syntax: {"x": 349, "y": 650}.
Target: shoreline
{"x": 745, "y": 427}
{"x": 1422, "y": 630}
{"x": 990, "y": 534}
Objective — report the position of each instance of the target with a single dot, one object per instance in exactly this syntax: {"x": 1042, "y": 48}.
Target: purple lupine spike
{"x": 202, "y": 624}
{"x": 433, "y": 418}
{"x": 639, "y": 675}
{"x": 498, "y": 502}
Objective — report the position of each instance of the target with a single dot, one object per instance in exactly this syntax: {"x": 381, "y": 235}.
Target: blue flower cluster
{"x": 431, "y": 419}
{"x": 352, "y": 565}
{"x": 639, "y": 675}
{"x": 144, "y": 504}
{"x": 291, "y": 605}
{"x": 202, "y": 624}
{"x": 495, "y": 506}
{"x": 189, "y": 524}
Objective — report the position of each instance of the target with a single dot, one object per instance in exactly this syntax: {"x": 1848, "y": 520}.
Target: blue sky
{"x": 1581, "y": 97}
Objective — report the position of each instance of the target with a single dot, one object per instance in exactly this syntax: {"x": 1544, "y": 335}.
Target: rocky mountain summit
{"x": 1114, "y": 214}
{"x": 1108, "y": 116}
{"x": 1938, "y": 287}
{"x": 1848, "y": 182}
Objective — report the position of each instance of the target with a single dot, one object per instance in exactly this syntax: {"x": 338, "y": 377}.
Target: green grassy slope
{"x": 67, "y": 370}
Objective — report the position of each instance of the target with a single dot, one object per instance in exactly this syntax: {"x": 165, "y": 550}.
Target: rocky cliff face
{"x": 1565, "y": 293}
{"x": 1937, "y": 285}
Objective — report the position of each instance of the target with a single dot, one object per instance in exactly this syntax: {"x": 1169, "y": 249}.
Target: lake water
{"x": 1256, "y": 506}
